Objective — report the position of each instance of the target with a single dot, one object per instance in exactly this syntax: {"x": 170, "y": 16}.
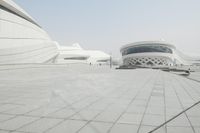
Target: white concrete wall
{"x": 22, "y": 41}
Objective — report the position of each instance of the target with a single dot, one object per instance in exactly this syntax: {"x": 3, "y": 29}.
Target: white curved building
{"x": 153, "y": 53}
{"x": 22, "y": 40}
{"x": 76, "y": 54}
{"x": 98, "y": 57}
{"x": 71, "y": 54}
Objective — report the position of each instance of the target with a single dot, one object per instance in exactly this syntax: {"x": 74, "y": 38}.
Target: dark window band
{"x": 76, "y": 58}
{"x": 144, "y": 49}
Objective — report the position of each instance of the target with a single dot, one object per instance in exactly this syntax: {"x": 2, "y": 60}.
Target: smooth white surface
{"x": 22, "y": 41}
{"x": 92, "y": 56}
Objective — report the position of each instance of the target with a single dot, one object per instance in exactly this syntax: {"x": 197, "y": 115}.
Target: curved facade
{"x": 71, "y": 54}
{"x": 151, "y": 53}
{"x": 76, "y": 54}
{"x": 22, "y": 40}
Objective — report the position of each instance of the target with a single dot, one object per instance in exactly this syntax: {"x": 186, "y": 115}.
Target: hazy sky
{"x": 108, "y": 24}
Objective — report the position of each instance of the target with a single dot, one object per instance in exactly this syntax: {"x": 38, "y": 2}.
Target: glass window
{"x": 143, "y": 49}
{"x": 76, "y": 58}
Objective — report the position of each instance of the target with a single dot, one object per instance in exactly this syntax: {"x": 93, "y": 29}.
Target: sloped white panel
{"x": 21, "y": 39}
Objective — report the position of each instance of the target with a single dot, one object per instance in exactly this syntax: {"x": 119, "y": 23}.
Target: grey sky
{"x": 108, "y": 24}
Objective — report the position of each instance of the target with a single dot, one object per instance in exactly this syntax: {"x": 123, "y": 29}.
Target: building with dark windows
{"x": 154, "y": 53}
{"x": 22, "y": 40}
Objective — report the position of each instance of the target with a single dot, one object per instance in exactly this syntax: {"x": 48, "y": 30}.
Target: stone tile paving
{"x": 83, "y": 99}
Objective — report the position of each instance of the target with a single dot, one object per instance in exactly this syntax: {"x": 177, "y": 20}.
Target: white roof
{"x": 75, "y": 46}
{"x": 77, "y": 50}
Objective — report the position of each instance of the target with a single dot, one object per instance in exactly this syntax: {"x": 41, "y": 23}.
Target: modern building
{"x": 154, "y": 53}
{"x": 98, "y": 57}
{"x": 76, "y": 54}
{"x": 71, "y": 54}
{"x": 22, "y": 40}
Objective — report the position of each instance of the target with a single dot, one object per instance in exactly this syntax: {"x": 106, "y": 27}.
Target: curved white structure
{"x": 71, "y": 54}
{"x": 75, "y": 54}
{"x": 22, "y": 40}
{"x": 153, "y": 53}
{"x": 98, "y": 57}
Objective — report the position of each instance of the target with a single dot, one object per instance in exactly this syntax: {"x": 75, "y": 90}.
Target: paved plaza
{"x": 94, "y": 99}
